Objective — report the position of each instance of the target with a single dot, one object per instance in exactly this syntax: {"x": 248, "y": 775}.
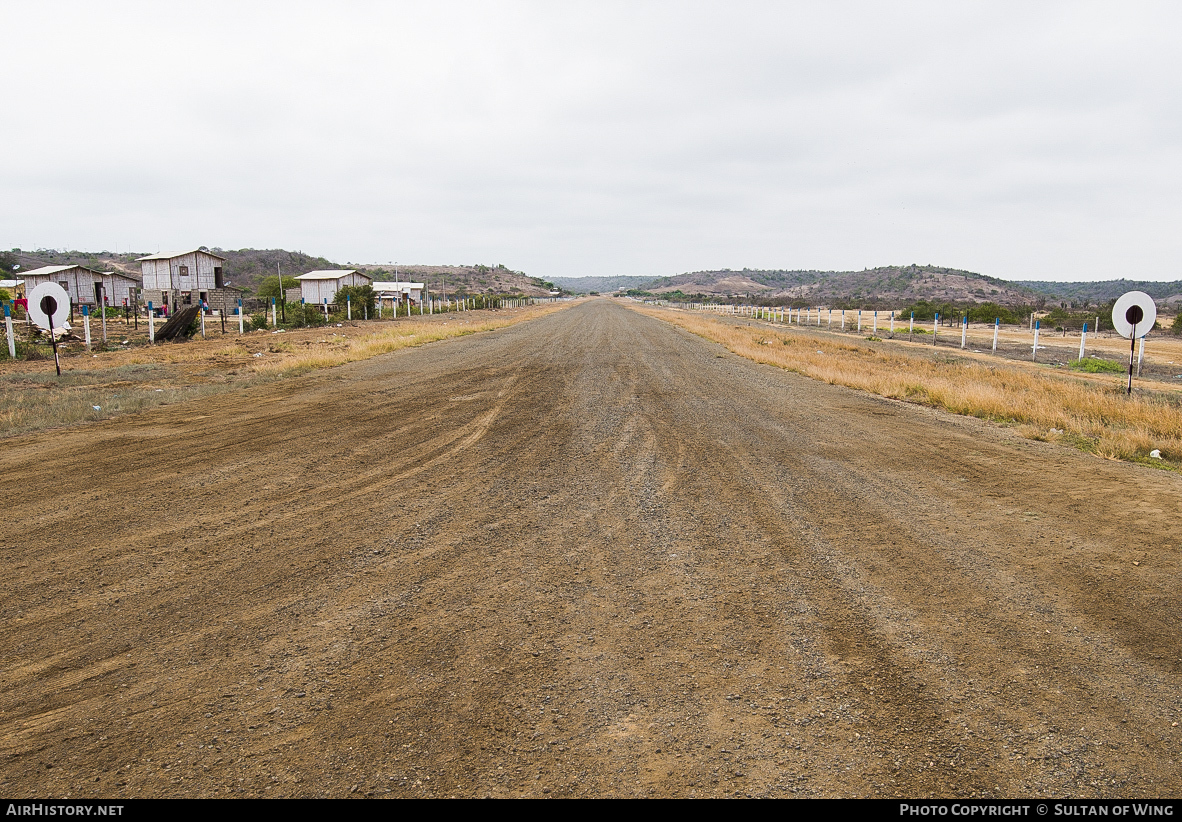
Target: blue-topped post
{"x": 8, "y": 330}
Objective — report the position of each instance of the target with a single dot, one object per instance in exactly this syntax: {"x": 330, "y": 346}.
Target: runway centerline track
{"x": 590, "y": 555}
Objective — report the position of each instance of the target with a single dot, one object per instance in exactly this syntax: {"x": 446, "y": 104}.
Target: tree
{"x": 361, "y": 296}
{"x": 270, "y": 286}
{"x": 1177, "y": 326}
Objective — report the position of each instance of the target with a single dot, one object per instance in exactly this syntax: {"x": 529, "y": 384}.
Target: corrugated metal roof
{"x": 173, "y": 255}
{"x": 46, "y": 270}
{"x": 397, "y": 286}
{"x": 328, "y": 275}
{"x": 50, "y": 270}
{"x": 10, "y": 283}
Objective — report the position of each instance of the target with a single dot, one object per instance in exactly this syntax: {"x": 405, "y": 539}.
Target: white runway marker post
{"x": 935, "y": 327}
{"x": 49, "y": 308}
{"x": 892, "y": 323}
{"x": 241, "y": 328}
{"x": 996, "y": 326}
{"x": 859, "y": 321}
{"x": 843, "y": 319}
{"x": 274, "y": 314}
{"x": 964, "y": 331}
{"x": 911, "y": 327}
{"x": 348, "y": 306}
{"x": 1140, "y": 355}
{"x": 1034, "y": 351}
{"x": 151, "y": 324}
{"x": 1083, "y": 339}
{"x": 830, "y": 319}
{"x": 874, "y": 329}
{"x": 86, "y": 324}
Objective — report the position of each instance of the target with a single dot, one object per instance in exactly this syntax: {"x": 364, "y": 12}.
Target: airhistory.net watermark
{"x": 47, "y": 809}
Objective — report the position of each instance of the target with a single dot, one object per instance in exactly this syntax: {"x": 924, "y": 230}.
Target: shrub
{"x": 300, "y": 315}
{"x": 258, "y": 322}
{"x": 361, "y": 297}
{"x": 1097, "y": 365}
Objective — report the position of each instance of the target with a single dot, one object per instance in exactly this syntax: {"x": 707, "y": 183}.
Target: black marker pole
{"x": 49, "y": 305}
{"x": 1134, "y": 315}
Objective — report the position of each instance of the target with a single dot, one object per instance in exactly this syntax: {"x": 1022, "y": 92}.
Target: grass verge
{"x": 1042, "y": 404}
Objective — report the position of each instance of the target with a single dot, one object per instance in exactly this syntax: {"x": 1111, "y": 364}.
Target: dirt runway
{"x": 588, "y": 555}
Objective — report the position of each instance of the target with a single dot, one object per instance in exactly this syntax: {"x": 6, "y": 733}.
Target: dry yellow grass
{"x": 1097, "y": 417}
{"x": 404, "y": 334}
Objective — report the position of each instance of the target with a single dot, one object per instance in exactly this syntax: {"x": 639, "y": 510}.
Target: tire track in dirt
{"x": 586, "y": 555}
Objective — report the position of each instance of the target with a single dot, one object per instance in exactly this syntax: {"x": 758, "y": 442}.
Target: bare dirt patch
{"x": 103, "y": 383}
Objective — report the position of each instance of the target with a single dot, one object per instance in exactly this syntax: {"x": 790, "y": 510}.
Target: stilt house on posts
{"x": 399, "y": 292}
{"x": 187, "y": 278}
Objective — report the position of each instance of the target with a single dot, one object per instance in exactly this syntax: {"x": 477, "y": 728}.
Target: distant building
{"x": 318, "y": 287}
{"x": 399, "y": 291}
{"x": 180, "y": 278}
{"x": 85, "y": 285}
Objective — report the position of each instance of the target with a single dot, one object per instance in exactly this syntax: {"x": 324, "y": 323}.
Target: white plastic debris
{"x": 1155, "y": 453}
{"x": 97, "y": 407}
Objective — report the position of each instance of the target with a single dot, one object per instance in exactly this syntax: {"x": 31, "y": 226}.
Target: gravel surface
{"x": 591, "y": 554}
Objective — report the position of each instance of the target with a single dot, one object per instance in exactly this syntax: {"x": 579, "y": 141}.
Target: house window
{"x": 187, "y": 297}
{"x": 184, "y": 271}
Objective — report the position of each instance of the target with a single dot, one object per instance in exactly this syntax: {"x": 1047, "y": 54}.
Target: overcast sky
{"x": 1026, "y": 141}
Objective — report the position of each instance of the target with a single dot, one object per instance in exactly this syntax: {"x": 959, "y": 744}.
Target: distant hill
{"x": 603, "y": 285}
{"x": 463, "y": 279}
{"x": 246, "y": 268}
{"x": 1105, "y": 291}
{"x": 884, "y": 286}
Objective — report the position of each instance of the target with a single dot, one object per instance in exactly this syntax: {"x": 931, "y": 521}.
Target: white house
{"x": 399, "y": 291}
{"x": 318, "y": 287}
{"x": 85, "y": 285}
{"x": 181, "y": 277}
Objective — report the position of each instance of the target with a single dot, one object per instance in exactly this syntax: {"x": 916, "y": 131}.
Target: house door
{"x": 98, "y": 294}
